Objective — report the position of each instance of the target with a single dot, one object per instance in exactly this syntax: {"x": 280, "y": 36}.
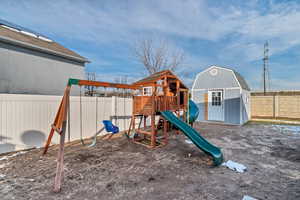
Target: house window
{"x": 216, "y": 99}
{"x": 147, "y": 91}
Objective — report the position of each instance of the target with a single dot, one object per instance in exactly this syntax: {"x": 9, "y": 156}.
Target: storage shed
{"x": 222, "y": 95}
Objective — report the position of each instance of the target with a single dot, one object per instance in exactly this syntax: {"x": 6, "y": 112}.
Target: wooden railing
{"x": 170, "y": 104}
{"x": 144, "y": 104}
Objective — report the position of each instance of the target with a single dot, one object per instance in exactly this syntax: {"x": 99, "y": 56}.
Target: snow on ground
{"x": 287, "y": 128}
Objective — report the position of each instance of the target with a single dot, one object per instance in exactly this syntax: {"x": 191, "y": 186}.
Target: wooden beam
{"x": 165, "y": 131}
{"x": 153, "y": 128}
{"x": 58, "y": 114}
{"x": 145, "y": 84}
{"x": 107, "y": 84}
{"x": 144, "y": 132}
{"x": 172, "y": 76}
{"x": 60, "y": 157}
{"x": 60, "y": 161}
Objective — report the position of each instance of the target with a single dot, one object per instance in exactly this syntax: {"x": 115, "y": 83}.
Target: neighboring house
{"x": 222, "y": 95}
{"x": 31, "y": 63}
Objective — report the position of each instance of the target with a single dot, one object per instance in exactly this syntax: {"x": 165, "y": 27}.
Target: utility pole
{"x": 265, "y": 65}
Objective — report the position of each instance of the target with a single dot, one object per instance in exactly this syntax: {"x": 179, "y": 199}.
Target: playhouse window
{"x": 147, "y": 91}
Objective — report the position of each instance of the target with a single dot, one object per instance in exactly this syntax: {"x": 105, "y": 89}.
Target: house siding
{"x": 198, "y": 98}
{"x": 24, "y": 71}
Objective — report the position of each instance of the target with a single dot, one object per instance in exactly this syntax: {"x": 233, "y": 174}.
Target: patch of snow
{"x": 289, "y": 128}
{"x": 2, "y": 176}
{"x": 188, "y": 141}
{"x": 13, "y": 155}
{"x": 44, "y": 38}
{"x": 246, "y": 197}
{"x": 235, "y": 166}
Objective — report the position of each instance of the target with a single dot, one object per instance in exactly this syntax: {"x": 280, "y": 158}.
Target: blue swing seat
{"x": 109, "y": 127}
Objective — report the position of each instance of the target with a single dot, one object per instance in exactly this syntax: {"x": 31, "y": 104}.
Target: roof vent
{"x": 45, "y": 39}
{"x": 25, "y": 31}
{"x": 29, "y": 34}
{"x": 213, "y": 72}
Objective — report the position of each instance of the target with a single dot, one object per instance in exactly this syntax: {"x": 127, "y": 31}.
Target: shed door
{"x": 215, "y": 105}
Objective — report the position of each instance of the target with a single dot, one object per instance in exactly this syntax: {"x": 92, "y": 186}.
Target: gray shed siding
{"x": 23, "y": 71}
{"x": 245, "y": 106}
{"x": 224, "y": 79}
{"x": 235, "y": 99}
{"x": 198, "y": 98}
{"x": 232, "y": 106}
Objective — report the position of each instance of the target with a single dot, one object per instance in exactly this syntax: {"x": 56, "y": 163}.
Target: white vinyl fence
{"x": 25, "y": 119}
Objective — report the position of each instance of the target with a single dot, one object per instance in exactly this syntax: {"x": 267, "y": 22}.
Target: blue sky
{"x": 228, "y": 33}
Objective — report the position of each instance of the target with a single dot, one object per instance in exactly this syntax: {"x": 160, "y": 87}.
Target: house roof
{"x": 157, "y": 76}
{"x": 20, "y": 36}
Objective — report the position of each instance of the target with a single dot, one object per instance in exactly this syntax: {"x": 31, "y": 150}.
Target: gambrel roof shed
{"x": 227, "y": 79}
{"x": 221, "y": 95}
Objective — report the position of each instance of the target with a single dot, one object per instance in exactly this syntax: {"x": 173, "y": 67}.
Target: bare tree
{"x": 157, "y": 56}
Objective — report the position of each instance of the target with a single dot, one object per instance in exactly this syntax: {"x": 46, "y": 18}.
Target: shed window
{"x": 147, "y": 91}
{"x": 216, "y": 99}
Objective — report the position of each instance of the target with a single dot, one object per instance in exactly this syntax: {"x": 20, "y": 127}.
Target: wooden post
{"x": 165, "y": 88}
{"x": 145, "y": 122}
{"x": 60, "y": 156}
{"x": 205, "y": 106}
{"x": 178, "y": 94}
{"x": 60, "y": 160}
{"x": 178, "y": 101}
{"x": 185, "y": 100}
{"x": 55, "y": 123}
{"x": 153, "y": 131}
{"x": 130, "y": 126}
{"x": 153, "y": 139}
{"x": 166, "y": 131}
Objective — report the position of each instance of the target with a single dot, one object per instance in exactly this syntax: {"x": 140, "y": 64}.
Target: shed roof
{"x": 17, "y": 35}
{"x": 229, "y": 78}
{"x": 241, "y": 80}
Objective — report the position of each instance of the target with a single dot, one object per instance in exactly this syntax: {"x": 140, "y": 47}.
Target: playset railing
{"x": 144, "y": 105}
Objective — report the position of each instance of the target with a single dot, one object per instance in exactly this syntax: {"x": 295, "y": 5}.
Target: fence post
{"x": 113, "y": 109}
{"x": 276, "y": 104}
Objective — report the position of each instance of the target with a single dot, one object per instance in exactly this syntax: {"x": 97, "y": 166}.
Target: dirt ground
{"x": 118, "y": 169}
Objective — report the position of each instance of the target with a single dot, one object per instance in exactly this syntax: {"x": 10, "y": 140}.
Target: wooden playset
{"x": 159, "y": 92}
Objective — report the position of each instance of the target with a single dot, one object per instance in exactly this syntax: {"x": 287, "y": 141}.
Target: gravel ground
{"x": 118, "y": 169}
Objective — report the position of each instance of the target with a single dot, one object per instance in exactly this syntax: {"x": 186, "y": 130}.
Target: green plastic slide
{"x": 193, "y": 111}
{"x": 194, "y": 136}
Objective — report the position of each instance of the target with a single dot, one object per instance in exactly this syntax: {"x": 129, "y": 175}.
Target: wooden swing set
{"x": 159, "y": 92}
